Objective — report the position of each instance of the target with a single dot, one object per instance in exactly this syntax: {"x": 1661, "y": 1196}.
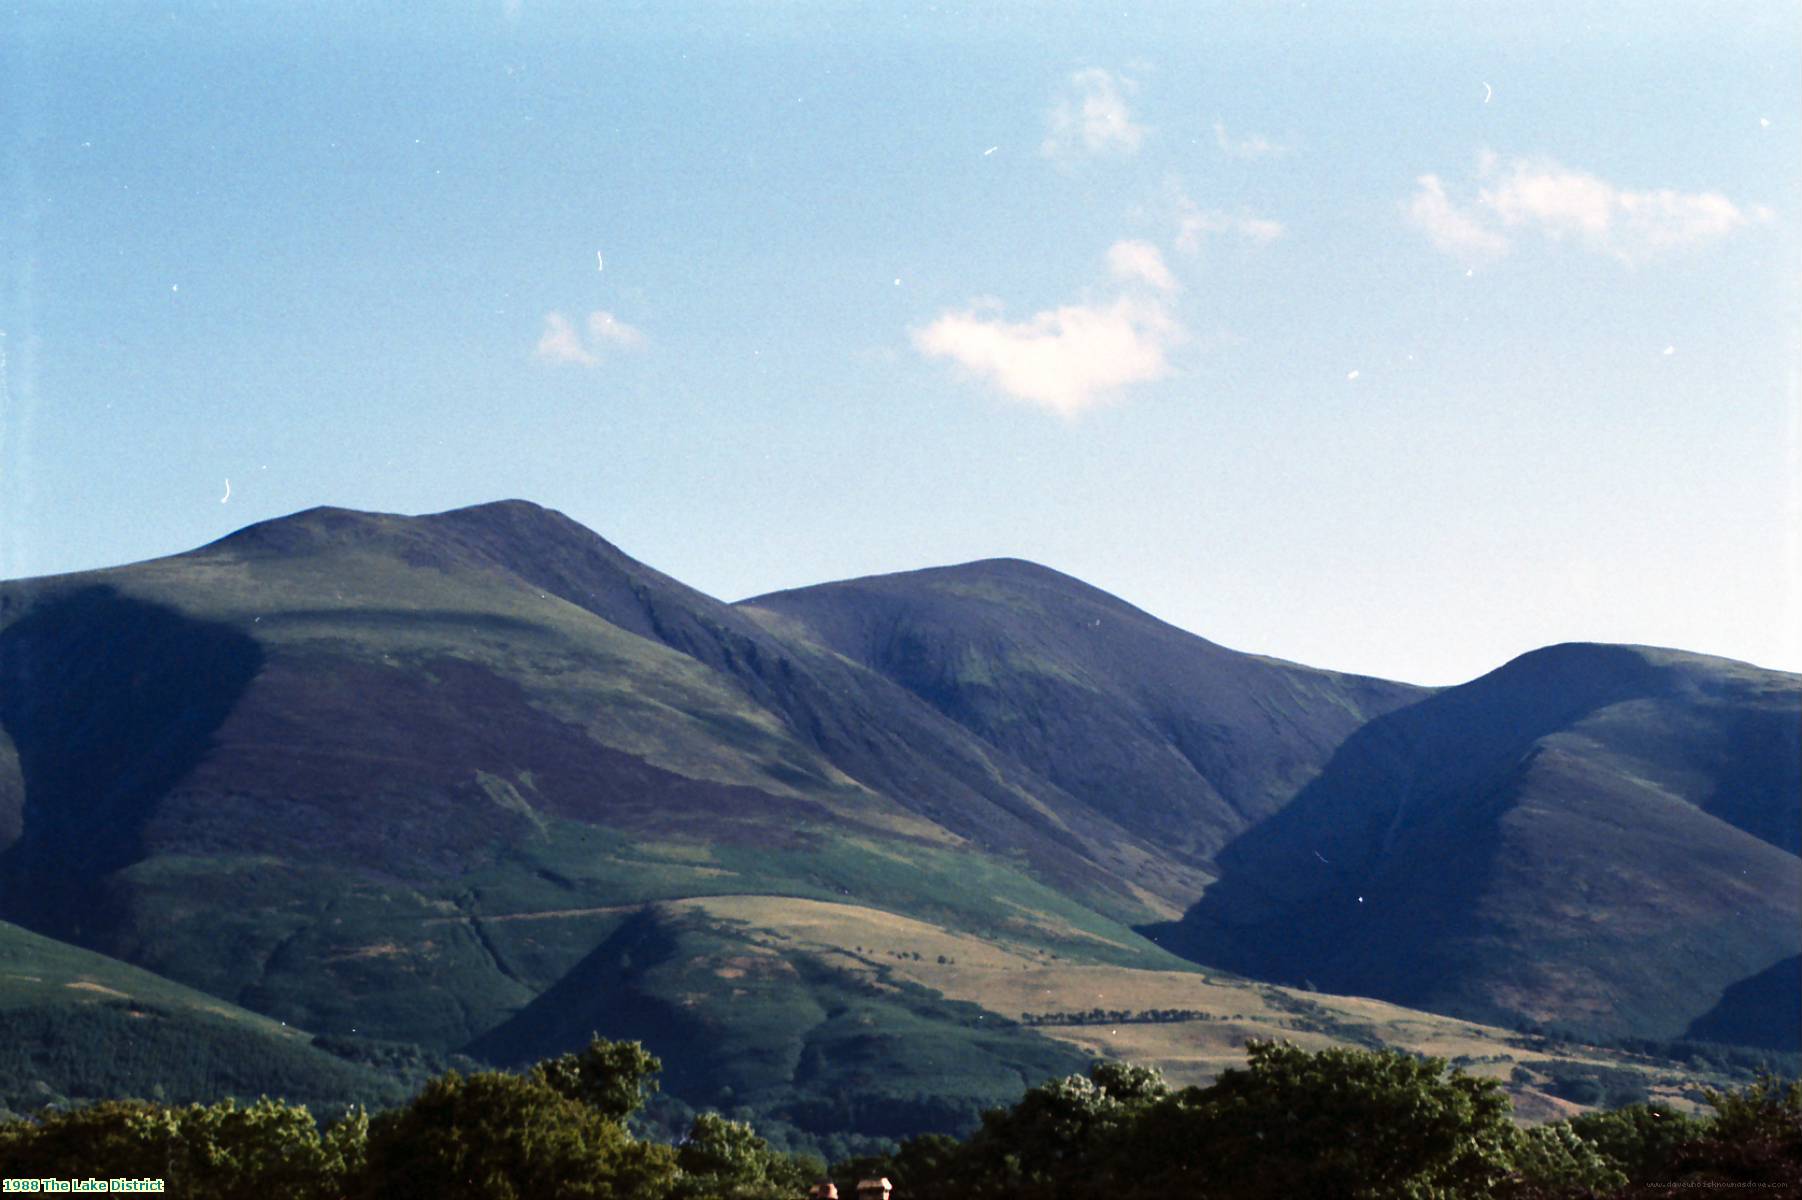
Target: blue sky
{"x": 1394, "y": 338}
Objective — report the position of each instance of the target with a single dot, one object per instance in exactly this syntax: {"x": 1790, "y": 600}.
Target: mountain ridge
{"x": 440, "y": 765}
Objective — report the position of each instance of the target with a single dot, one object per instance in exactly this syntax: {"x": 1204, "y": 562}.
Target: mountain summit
{"x": 1178, "y": 739}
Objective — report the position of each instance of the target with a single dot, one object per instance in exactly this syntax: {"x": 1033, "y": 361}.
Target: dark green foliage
{"x": 1556, "y": 1159}
{"x": 1065, "y": 1134}
{"x": 219, "y": 1152}
{"x": 1753, "y": 1141}
{"x": 1330, "y": 1125}
{"x": 1640, "y": 1138}
{"x": 494, "y": 1136}
{"x": 726, "y": 1160}
{"x": 613, "y": 1078}
{"x": 1768, "y": 1108}
{"x": 1754, "y": 1138}
{"x": 1347, "y": 1124}
{"x": 1339, "y": 1123}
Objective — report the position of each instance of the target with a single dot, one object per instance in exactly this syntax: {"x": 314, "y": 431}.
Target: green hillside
{"x": 479, "y": 782}
{"x": 397, "y": 778}
{"x": 78, "y": 1026}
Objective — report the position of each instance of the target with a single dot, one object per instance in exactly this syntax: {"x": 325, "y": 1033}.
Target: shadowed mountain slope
{"x": 1175, "y": 738}
{"x": 1761, "y": 1010}
{"x": 1601, "y": 838}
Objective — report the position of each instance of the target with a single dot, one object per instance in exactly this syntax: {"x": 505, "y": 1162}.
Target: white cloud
{"x": 1093, "y": 119}
{"x": 1250, "y": 145}
{"x": 605, "y": 327}
{"x": 1451, "y": 229}
{"x": 1136, "y": 261}
{"x": 561, "y": 343}
{"x": 1065, "y": 359}
{"x": 1558, "y": 202}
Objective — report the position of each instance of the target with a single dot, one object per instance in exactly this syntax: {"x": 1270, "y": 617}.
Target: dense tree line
{"x": 1333, "y": 1125}
{"x": 1717, "y": 1057}
{"x": 1340, "y": 1124}
{"x": 556, "y": 1131}
{"x": 1121, "y": 1016}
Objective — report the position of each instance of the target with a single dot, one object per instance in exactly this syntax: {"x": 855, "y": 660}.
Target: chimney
{"x": 874, "y": 1189}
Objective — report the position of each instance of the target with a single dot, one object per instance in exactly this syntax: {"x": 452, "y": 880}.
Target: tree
{"x": 1350, "y": 1124}
{"x": 613, "y": 1078}
{"x": 494, "y": 1136}
{"x": 1128, "y": 1083}
{"x": 1755, "y": 1137}
{"x": 1640, "y": 1139}
{"x": 726, "y": 1160}
{"x": 212, "y": 1152}
{"x": 1063, "y": 1138}
{"x": 1555, "y": 1160}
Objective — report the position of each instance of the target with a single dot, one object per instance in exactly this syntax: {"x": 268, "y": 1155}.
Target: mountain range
{"x": 479, "y": 783}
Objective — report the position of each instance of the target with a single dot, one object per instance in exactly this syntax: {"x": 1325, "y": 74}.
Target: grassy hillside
{"x": 479, "y": 781}
{"x": 398, "y": 778}
{"x": 1194, "y": 1024}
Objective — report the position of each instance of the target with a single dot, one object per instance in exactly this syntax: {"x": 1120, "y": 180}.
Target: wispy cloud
{"x": 1066, "y": 359}
{"x": 1541, "y": 196}
{"x": 1092, "y": 118}
{"x": 1453, "y": 230}
{"x": 1140, "y": 262}
{"x": 1248, "y": 145}
{"x": 1195, "y": 225}
{"x": 561, "y": 343}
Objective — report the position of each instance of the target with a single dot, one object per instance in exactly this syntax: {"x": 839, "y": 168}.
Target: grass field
{"x": 1013, "y": 979}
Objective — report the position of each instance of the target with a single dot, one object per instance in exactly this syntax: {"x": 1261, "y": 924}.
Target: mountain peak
{"x": 327, "y": 527}
{"x": 1004, "y": 581}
